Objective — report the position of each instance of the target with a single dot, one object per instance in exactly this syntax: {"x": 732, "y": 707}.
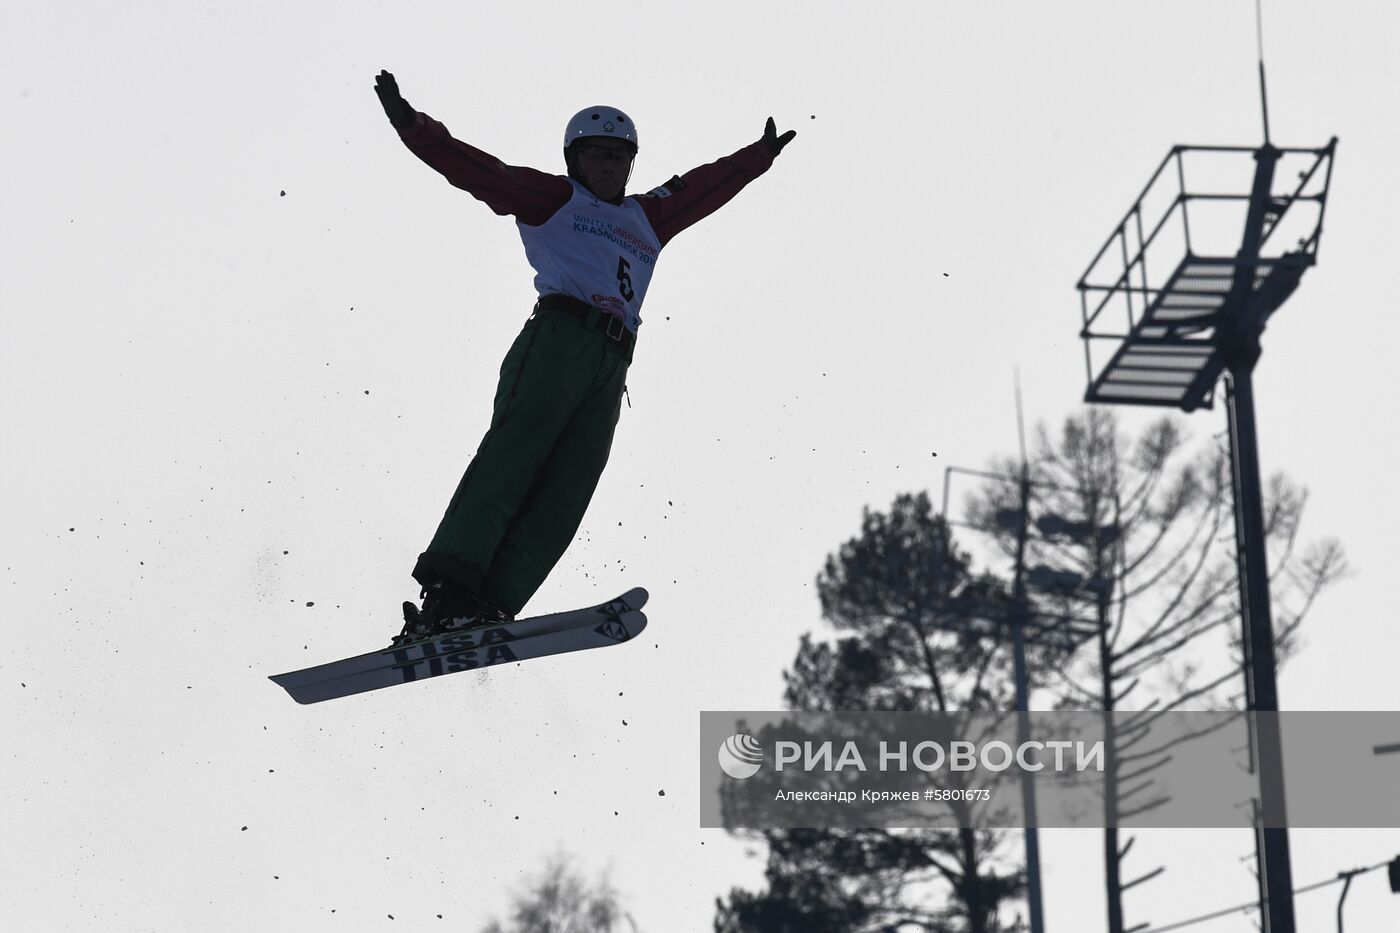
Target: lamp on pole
{"x": 1019, "y": 620}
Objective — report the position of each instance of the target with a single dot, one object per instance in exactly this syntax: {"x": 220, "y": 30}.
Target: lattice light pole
{"x": 1180, "y": 309}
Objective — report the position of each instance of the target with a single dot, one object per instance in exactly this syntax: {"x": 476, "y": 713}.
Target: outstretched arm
{"x": 530, "y": 196}
{"x": 689, "y": 198}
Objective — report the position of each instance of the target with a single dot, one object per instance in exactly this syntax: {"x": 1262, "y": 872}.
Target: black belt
{"x": 610, "y": 324}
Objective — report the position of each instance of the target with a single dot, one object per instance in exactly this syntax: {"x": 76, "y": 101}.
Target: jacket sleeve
{"x": 689, "y": 198}
{"x": 531, "y": 196}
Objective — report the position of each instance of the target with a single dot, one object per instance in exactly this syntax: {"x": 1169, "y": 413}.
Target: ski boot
{"x": 447, "y": 607}
{"x": 415, "y": 627}
{"x": 470, "y": 613}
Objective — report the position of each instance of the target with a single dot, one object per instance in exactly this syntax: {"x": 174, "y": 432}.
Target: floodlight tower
{"x": 1195, "y": 313}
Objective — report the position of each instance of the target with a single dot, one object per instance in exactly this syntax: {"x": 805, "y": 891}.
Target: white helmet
{"x": 601, "y": 121}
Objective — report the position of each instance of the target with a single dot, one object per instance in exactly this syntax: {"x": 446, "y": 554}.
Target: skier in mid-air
{"x": 592, "y": 247}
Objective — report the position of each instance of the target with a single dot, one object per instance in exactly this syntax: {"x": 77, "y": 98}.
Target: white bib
{"x": 597, "y": 252}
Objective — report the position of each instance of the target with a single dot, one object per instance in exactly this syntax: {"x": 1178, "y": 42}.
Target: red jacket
{"x": 532, "y": 196}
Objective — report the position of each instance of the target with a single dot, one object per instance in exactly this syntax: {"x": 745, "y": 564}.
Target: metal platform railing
{"x": 1167, "y": 296}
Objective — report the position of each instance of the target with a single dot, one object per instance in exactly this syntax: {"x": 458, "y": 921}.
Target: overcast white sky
{"x": 224, "y": 405}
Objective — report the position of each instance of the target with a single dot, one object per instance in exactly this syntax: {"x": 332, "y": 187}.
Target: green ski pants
{"x": 525, "y": 492}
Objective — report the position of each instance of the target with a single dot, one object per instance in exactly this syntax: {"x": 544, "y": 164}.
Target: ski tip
{"x": 294, "y": 690}
{"x": 299, "y": 693}
{"x": 634, "y": 598}
{"x": 634, "y": 621}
